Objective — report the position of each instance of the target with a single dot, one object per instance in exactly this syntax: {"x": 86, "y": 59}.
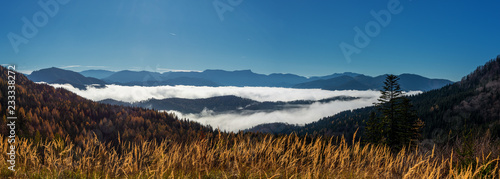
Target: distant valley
{"x": 222, "y": 104}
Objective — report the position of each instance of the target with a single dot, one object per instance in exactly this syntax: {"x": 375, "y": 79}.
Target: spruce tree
{"x": 411, "y": 123}
{"x": 373, "y": 129}
{"x": 398, "y": 124}
{"x": 389, "y": 106}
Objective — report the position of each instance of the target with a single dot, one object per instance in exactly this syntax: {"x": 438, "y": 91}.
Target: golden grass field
{"x": 238, "y": 156}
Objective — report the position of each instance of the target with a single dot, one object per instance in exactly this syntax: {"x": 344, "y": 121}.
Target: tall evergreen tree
{"x": 411, "y": 124}
{"x": 374, "y": 129}
{"x": 389, "y": 106}
{"x": 398, "y": 124}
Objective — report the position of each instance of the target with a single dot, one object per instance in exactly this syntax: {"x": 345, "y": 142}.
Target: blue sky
{"x": 438, "y": 39}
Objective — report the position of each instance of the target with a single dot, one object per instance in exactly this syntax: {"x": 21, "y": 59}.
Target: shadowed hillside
{"x": 47, "y": 113}
{"x": 473, "y": 104}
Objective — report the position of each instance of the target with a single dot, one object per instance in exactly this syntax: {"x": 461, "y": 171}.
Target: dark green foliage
{"x": 374, "y": 129}
{"x": 389, "y": 107}
{"x": 412, "y": 125}
{"x": 466, "y": 151}
{"x": 476, "y": 99}
{"x": 391, "y": 91}
{"x": 398, "y": 124}
{"x": 443, "y": 111}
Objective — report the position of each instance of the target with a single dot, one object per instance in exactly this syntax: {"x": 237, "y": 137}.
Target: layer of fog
{"x": 233, "y": 121}
{"x": 307, "y": 114}
{"x": 140, "y": 93}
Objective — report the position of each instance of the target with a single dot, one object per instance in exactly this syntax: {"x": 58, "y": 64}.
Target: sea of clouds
{"x": 239, "y": 121}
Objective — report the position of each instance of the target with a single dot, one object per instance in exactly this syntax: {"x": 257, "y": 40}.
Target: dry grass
{"x": 236, "y": 156}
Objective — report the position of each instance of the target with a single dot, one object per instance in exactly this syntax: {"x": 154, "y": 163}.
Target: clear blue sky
{"x": 438, "y": 39}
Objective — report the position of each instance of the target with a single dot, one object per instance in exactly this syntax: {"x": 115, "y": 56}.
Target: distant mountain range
{"x": 362, "y": 82}
{"x": 336, "y": 81}
{"x": 60, "y": 76}
{"x": 205, "y": 78}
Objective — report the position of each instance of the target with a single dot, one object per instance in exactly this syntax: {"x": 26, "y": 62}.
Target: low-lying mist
{"x": 235, "y": 121}
{"x": 140, "y": 93}
{"x": 306, "y": 114}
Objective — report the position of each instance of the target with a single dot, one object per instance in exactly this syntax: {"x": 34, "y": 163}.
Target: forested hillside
{"x": 473, "y": 104}
{"x": 46, "y": 113}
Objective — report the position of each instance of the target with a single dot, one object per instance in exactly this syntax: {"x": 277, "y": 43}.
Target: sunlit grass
{"x": 241, "y": 156}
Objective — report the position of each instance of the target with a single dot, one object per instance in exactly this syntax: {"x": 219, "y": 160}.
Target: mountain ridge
{"x": 362, "y": 82}
{"x": 57, "y": 75}
{"x": 99, "y": 74}
{"x": 239, "y": 78}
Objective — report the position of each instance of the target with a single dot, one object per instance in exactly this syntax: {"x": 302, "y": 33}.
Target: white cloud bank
{"x": 140, "y": 93}
{"x": 307, "y": 114}
{"x": 239, "y": 121}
